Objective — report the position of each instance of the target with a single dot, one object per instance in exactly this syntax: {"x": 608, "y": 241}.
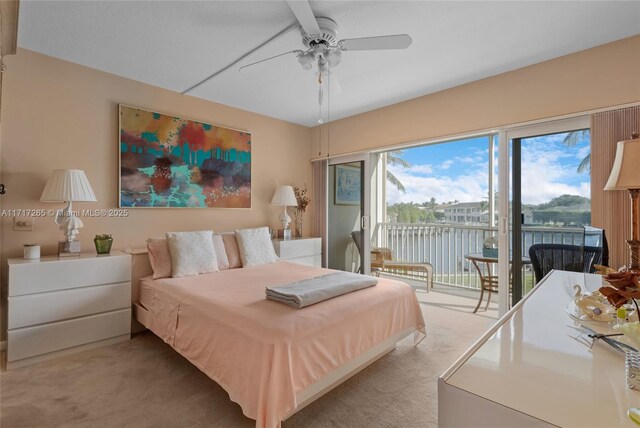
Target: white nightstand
{"x": 306, "y": 251}
{"x": 58, "y": 306}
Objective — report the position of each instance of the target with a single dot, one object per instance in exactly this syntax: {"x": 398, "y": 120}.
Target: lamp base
{"x": 634, "y": 242}
{"x": 634, "y": 255}
{"x": 68, "y": 248}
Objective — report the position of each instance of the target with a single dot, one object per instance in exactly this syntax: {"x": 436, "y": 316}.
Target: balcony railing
{"x": 446, "y": 245}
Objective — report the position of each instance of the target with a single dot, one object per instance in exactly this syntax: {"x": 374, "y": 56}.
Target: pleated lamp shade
{"x": 625, "y": 173}
{"x": 67, "y": 185}
{"x": 284, "y": 196}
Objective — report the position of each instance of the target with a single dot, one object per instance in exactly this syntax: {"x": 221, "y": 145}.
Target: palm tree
{"x": 571, "y": 139}
{"x": 394, "y": 158}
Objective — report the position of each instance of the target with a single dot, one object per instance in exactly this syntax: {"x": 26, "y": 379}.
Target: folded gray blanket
{"x": 314, "y": 290}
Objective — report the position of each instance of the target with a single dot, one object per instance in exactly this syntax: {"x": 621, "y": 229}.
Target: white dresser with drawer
{"x": 306, "y": 251}
{"x": 62, "y": 305}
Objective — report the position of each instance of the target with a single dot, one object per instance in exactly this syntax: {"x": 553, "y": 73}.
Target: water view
{"x": 438, "y": 208}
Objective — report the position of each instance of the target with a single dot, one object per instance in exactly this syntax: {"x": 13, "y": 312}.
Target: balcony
{"x": 446, "y": 245}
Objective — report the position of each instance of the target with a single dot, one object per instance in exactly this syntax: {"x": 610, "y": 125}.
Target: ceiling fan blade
{"x": 398, "y": 41}
{"x": 302, "y": 10}
{"x": 244, "y": 67}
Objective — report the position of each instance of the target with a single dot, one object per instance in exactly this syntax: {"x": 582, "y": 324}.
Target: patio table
{"x": 488, "y": 281}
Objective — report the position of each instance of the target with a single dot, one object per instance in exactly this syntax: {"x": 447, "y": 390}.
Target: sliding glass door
{"x": 348, "y": 239}
{"x": 545, "y": 171}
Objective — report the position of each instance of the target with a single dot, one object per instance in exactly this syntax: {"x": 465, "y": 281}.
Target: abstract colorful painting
{"x": 169, "y": 162}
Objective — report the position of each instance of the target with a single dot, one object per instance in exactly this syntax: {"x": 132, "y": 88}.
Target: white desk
{"x": 529, "y": 371}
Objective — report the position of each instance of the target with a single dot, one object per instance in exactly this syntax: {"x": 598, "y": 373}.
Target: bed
{"x": 273, "y": 359}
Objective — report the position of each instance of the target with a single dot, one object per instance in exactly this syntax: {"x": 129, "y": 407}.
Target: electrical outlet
{"x": 23, "y": 224}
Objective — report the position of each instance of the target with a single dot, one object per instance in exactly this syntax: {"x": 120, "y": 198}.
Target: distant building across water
{"x": 467, "y": 212}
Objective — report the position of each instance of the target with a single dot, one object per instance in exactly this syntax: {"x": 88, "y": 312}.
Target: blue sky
{"x": 459, "y": 171}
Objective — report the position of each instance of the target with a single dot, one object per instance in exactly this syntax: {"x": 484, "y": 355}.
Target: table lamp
{"x": 68, "y": 185}
{"x": 285, "y": 197}
{"x": 625, "y": 175}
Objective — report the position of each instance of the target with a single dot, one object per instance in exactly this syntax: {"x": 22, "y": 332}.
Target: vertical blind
{"x": 319, "y": 203}
{"x": 611, "y": 210}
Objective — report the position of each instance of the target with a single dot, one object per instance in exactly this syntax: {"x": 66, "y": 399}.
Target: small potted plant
{"x": 103, "y": 243}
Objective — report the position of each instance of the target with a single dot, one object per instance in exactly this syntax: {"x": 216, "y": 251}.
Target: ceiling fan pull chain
{"x": 328, "y": 110}
{"x": 320, "y": 103}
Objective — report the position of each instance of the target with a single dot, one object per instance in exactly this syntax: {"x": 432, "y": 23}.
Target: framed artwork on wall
{"x": 347, "y": 185}
{"x": 170, "y": 162}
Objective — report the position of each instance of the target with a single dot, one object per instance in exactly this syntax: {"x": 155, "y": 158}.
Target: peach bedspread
{"x": 264, "y": 353}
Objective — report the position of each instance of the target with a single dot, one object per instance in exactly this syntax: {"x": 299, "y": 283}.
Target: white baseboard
{"x": 3, "y": 345}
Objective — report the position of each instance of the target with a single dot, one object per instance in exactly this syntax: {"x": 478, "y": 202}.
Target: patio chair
{"x": 382, "y": 261}
{"x": 575, "y": 258}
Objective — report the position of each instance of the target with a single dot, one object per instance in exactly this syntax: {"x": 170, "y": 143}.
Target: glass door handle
{"x": 364, "y": 222}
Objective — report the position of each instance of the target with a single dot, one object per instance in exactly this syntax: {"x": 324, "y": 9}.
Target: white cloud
{"x": 464, "y": 188}
{"x": 546, "y": 139}
{"x": 446, "y": 164}
{"x": 543, "y": 178}
{"x": 582, "y": 152}
{"x": 467, "y": 159}
{"x": 421, "y": 169}
{"x": 545, "y": 190}
{"x": 480, "y": 153}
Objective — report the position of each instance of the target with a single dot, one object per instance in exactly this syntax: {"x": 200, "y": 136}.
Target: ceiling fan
{"x": 324, "y": 50}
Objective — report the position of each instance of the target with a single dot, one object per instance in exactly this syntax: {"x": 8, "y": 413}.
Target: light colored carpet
{"x": 144, "y": 383}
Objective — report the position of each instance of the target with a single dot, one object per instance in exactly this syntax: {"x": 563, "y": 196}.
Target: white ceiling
{"x": 175, "y": 44}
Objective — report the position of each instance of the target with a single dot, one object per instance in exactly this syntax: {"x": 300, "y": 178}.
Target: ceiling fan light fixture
{"x": 306, "y": 60}
{"x": 323, "y": 66}
{"x": 334, "y": 57}
{"x": 302, "y": 59}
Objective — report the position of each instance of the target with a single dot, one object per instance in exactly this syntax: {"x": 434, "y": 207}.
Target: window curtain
{"x": 611, "y": 210}
{"x": 319, "y": 203}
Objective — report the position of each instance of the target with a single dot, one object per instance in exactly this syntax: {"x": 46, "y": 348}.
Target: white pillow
{"x": 221, "y": 253}
{"x": 255, "y": 246}
{"x": 192, "y": 253}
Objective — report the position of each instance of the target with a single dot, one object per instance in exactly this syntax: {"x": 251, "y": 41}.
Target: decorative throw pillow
{"x": 192, "y": 253}
{"x": 231, "y": 248}
{"x": 159, "y": 257}
{"x": 255, "y": 246}
{"x": 221, "y": 253}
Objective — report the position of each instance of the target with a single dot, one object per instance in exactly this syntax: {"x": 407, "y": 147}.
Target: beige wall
{"x": 604, "y": 76}
{"x": 56, "y": 114}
